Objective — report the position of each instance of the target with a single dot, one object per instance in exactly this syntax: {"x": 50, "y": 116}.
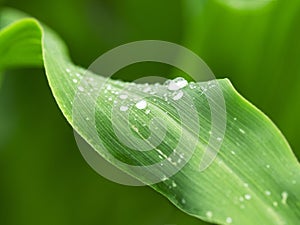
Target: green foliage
{"x": 256, "y": 48}
{"x": 255, "y": 177}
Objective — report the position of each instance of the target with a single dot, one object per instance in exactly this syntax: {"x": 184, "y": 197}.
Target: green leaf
{"x": 255, "y": 177}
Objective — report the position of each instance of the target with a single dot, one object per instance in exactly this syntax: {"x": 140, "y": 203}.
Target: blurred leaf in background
{"x": 44, "y": 179}
{"x": 257, "y": 48}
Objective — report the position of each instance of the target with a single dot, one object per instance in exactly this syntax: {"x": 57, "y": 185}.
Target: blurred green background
{"x": 44, "y": 179}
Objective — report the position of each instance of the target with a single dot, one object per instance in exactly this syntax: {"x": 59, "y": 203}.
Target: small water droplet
{"x": 174, "y": 184}
{"x": 147, "y": 111}
{"x": 135, "y": 129}
{"x": 68, "y": 70}
{"x": 247, "y": 196}
{"x": 284, "y": 196}
{"x": 204, "y": 89}
{"x": 80, "y": 88}
{"x": 228, "y": 220}
{"x": 123, "y": 96}
{"x": 275, "y": 204}
{"x": 124, "y": 108}
{"x": 75, "y": 81}
{"x": 164, "y": 178}
{"x": 233, "y": 152}
{"x": 147, "y": 89}
{"x": 268, "y": 166}
{"x": 183, "y": 201}
{"x": 267, "y": 192}
{"x": 219, "y": 139}
{"x": 192, "y": 85}
{"x": 162, "y": 154}
{"x": 181, "y": 155}
{"x": 178, "y": 96}
{"x": 242, "y": 131}
{"x": 141, "y": 104}
{"x": 209, "y": 214}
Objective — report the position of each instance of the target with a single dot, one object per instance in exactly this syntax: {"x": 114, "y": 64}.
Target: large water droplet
{"x": 141, "y": 104}
{"x": 176, "y": 84}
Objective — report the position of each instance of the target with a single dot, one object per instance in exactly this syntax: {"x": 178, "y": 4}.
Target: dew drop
{"x": 80, "y": 88}
{"x": 178, "y": 96}
{"x": 123, "y": 96}
{"x": 68, "y": 70}
{"x": 275, "y": 204}
{"x": 228, "y": 220}
{"x": 247, "y": 196}
{"x": 267, "y": 192}
{"x": 177, "y": 84}
{"x": 124, "y": 108}
{"x": 174, "y": 184}
{"x": 192, "y": 85}
{"x": 209, "y": 214}
{"x": 135, "y": 129}
{"x": 147, "y": 89}
{"x": 164, "y": 178}
{"x": 284, "y": 196}
{"x": 141, "y": 104}
{"x": 75, "y": 81}
{"x": 242, "y": 131}
{"x": 183, "y": 201}
{"x": 147, "y": 111}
